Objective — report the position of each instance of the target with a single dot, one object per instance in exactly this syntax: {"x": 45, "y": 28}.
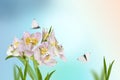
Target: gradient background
{"x": 80, "y": 25}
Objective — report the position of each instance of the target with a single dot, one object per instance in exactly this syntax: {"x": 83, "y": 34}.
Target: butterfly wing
{"x": 87, "y": 56}
{"x": 35, "y": 25}
{"x": 82, "y": 59}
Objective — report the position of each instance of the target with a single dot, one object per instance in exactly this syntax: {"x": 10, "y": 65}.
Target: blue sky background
{"x": 78, "y": 26}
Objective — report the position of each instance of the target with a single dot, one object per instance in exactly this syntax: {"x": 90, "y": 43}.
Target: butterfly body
{"x": 36, "y": 27}
{"x": 84, "y": 58}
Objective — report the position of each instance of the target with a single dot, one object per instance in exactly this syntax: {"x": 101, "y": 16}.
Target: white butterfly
{"x": 84, "y": 58}
{"x": 35, "y": 25}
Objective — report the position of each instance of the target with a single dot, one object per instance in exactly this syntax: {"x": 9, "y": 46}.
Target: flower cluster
{"x": 43, "y": 47}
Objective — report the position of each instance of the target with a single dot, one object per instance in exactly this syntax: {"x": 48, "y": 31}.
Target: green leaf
{"x": 46, "y": 78}
{"x": 37, "y": 70}
{"x": 25, "y": 70}
{"x": 20, "y": 72}
{"x": 50, "y": 30}
{"x": 49, "y": 75}
{"x": 30, "y": 71}
{"x": 105, "y": 69}
{"x": 15, "y": 73}
{"x": 39, "y": 74}
{"x": 8, "y": 57}
{"x": 95, "y": 75}
{"x": 102, "y": 75}
{"x": 18, "y": 77}
{"x": 109, "y": 70}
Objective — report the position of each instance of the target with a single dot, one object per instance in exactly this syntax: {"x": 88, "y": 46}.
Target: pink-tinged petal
{"x": 21, "y": 46}
{"x": 53, "y": 51}
{"x": 44, "y": 44}
{"x": 29, "y": 47}
{"x": 37, "y": 35}
{"x": 36, "y": 53}
{"x": 50, "y": 51}
{"x": 26, "y": 35}
{"x": 16, "y": 40}
{"x": 51, "y": 62}
{"x": 51, "y": 38}
{"x": 28, "y": 53}
{"x": 62, "y": 57}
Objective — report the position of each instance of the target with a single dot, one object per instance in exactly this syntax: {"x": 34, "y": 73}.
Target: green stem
{"x": 30, "y": 71}
{"x": 37, "y": 70}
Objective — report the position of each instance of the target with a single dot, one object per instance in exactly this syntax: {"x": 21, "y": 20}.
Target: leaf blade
{"x": 102, "y": 77}
{"x": 25, "y": 70}
{"x": 49, "y": 75}
{"x": 37, "y": 70}
{"x": 20, "y": 72}
{"x": 105, "y": 68}
{"x": 15, "y": 72}
{"x": 109, "y": 70}
{"x": 31, "y": 72}
{"x": 95, "y": 75}
{"x": 8, "y": 57}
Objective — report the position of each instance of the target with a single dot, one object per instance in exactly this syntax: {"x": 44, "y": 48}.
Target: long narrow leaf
{"x": 20, "y": 71}
{"x": 105, "y": 69}
{"x": 25, "y": 70}
{"x": 39, "y": 74}
{"x": 50, "y": 30}
{"x": 49, "y": 75}
{"x": 95, "y": 75}
{"x": 18, "y": 76}
{"x": 29, "y": 69}
{"x": 37, "y": 70}
{"x": 15, "y": 73}
{"x": 8, "y": 57}
{"x": 109, "y": 69}
{"x": 46, "y": 78}
{"x": 102, "y": 75}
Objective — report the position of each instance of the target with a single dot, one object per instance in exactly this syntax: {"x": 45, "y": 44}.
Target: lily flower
{"x": 31, "y": 38}
{"x": 13, "y": 48}
{"x": 30, "y": 42}
{"x": 56, "y": 49}
{"x": 42, "y": 55}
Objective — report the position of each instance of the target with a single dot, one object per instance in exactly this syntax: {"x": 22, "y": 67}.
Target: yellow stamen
{"x": 47, "y": 57}
{"x": 43, "y": 50}
{"x": 34, "y": 41}
{"x": 53, "y": 43}
{"x": 16, "y": 44}
{"x": 28, "y": 40}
